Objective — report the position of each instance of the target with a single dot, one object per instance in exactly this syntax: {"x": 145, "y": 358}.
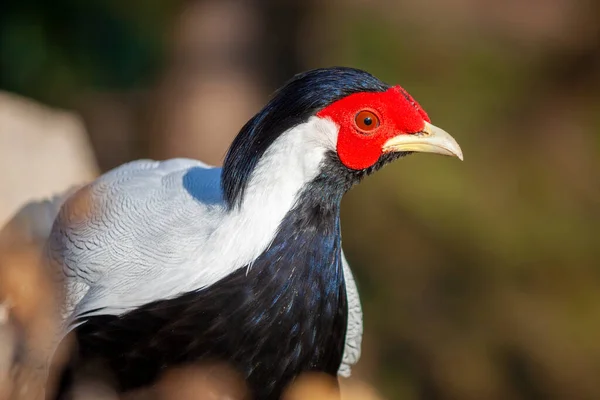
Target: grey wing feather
{"x": 128, "y": 228}
{"x": 354, "y": 331}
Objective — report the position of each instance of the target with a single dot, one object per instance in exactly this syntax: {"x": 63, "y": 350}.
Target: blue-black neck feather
{"x": 299, "y": 99}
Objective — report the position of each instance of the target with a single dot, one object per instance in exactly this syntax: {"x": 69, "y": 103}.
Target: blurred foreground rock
{"x": 42, "y": 152}
{"x": 29, "y": 323}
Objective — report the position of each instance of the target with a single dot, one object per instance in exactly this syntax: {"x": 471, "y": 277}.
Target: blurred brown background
{"x": 479, "y": 280}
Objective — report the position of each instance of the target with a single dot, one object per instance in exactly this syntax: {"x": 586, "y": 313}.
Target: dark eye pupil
{"x": 368, "y": 121}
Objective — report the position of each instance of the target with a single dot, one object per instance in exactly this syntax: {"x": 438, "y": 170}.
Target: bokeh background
{"x": 480, "y": 279}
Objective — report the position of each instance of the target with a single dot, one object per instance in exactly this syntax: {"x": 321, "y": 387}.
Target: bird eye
{"x": 366, "y": 121}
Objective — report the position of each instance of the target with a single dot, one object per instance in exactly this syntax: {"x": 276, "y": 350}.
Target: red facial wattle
{"x": 396, "y": 111}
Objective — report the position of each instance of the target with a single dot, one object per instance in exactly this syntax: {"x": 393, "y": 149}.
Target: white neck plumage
{"x": 289, "y": 164}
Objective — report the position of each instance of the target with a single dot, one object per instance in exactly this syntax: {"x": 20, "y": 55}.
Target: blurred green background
{"x": 480, "y": 279}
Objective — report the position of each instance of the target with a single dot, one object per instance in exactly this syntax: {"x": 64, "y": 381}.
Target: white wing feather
{"x": 355, "y": 323}
{"x": 118, "y": 236}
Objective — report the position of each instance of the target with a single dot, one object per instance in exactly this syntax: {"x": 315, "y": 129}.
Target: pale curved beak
{"x": 430, "y": 140}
